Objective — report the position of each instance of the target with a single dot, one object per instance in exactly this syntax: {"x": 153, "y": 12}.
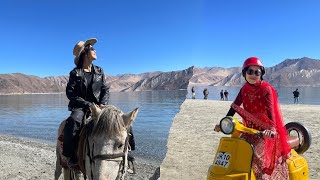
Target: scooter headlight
{"x": 227, "y": 125}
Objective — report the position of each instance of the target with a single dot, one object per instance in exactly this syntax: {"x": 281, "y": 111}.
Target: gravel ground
{"x": 22, "y": 159}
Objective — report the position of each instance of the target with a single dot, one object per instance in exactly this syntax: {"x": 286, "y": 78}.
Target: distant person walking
{"x": 193, "y": 93}
{"x": 205, "y": 93}
{"x": 296, "y": 94}
{"x": 221, "y": 95}
{"x": 226, "y": 94}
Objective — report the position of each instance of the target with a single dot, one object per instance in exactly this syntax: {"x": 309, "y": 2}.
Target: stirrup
{"x": 131, "y": 168}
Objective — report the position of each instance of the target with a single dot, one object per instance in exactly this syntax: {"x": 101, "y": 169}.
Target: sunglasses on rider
{"x": 251, "y": 72}
{"x": 89, "y": 48}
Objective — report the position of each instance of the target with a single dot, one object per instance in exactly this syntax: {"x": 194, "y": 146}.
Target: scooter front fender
{"x": 233, "y": 160}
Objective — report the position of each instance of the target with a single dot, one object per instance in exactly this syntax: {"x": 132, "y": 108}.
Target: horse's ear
{"x": 129, "y": 117}
{"x": 95, "y": 111}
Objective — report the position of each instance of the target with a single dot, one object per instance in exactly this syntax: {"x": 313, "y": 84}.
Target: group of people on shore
{"x": 205, "y": 93}
{"x": 223, "y": 94}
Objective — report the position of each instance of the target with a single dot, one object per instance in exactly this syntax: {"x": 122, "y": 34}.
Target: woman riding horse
{"x": 86, "y": 85}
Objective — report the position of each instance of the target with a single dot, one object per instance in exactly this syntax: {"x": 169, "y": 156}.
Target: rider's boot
{"x": 131, "y": 159}
{"x": 71, "y": 162}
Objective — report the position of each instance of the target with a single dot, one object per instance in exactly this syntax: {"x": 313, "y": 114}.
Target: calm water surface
{"x": 38, "y": 117}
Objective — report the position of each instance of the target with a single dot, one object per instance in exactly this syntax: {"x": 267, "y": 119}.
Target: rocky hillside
{"x": 125, "y": 81}
{"x": 295, "y": 72}
{"x": 20, "y": 83}
{"x": 164, "y": 81}
{"x": 289, "y": 73}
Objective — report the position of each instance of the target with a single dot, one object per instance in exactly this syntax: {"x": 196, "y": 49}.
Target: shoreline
{"x": 22, "y": 158}
{"x": 192, "y": 142}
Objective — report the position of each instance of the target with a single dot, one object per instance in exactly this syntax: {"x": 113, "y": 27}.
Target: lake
{"x": 37, "y": 116}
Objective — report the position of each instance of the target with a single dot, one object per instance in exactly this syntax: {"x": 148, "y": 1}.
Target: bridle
{"x": 118, "y": 157}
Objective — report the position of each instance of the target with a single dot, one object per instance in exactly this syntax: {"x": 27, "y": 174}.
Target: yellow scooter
{"x": 234, "y": 155}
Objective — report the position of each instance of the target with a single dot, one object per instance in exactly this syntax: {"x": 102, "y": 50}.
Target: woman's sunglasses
{"x": 251, "y": 72}
{"x": 87, "y": 48}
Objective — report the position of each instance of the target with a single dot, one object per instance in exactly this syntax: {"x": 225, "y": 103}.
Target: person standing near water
{"x": 205, "y": 93}
{"x": 193, "y": 93}
{"x": 296, "y": 94}
{"x": 221, "y": 95}
{"x": 226, "y": 94}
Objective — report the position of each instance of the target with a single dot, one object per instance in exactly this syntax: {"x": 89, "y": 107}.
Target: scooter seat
{"x": 293, "y": 141}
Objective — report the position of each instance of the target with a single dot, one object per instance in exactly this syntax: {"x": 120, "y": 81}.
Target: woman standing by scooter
{"x": 260, "y": 99}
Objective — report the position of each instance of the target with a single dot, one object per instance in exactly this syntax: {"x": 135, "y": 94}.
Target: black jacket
{"x": 77, "y": 90}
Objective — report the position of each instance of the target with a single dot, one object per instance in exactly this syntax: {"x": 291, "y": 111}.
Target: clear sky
{"x": 136, "y": 36}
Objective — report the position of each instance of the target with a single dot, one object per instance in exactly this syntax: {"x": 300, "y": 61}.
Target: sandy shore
{"x": 192, "y": 142}
{"x": 24, "y": 159}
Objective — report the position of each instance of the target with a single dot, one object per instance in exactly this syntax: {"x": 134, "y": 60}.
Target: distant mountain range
{"x": 289, "y": 73}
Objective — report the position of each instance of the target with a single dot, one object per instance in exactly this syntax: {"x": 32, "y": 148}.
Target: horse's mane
{"x": 109, "y": 121}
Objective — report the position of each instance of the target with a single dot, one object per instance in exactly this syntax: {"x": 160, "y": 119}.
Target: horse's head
{"x": 108, "y": 142}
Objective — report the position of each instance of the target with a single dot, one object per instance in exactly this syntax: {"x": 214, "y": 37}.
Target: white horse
{"x": 103, "y": 146}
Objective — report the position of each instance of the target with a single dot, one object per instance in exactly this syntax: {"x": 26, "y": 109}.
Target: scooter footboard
{"x": 233, "y": 160}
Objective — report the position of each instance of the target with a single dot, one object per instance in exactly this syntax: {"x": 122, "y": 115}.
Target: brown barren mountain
{"x": 25, "y": 84}
{"x": 291, "y": 72}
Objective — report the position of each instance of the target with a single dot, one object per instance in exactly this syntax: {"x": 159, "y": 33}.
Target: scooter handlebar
{"x": 261, "y": 135}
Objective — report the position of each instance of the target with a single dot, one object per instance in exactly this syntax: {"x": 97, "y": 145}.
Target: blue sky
{"x": 137, "y": 36}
